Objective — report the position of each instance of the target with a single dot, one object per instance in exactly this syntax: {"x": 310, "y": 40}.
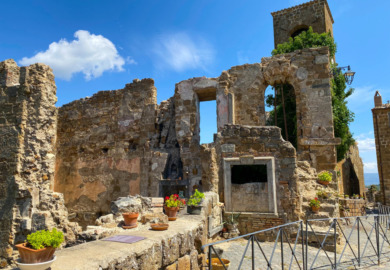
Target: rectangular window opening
{"x": 208, "y": 121}
{"x": 243, "y": 174}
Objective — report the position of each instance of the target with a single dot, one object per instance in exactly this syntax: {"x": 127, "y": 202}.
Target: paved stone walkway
{"x": 234, "y": 251}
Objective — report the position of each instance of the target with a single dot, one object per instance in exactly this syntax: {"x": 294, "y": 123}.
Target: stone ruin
{"x": 62, "y": 167}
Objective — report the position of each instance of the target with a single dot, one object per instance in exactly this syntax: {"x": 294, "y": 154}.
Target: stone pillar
{"x": 378, "y": 99}
{"x": 28, "y": 119}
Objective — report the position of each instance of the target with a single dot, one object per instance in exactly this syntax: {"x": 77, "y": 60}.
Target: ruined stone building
{"x": 67, "y": 164}
{"x": 381, "y": 117}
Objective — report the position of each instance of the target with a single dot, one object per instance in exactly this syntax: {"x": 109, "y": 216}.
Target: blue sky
{"x": 102, "y": 45}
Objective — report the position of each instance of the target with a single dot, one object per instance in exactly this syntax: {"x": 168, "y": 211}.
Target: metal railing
{"x": 328, "y": 243}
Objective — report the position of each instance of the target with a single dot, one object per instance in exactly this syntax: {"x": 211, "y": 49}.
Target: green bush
{"x": 307, "y": 39}
{"x": 325, "y": 176}
{"x": 45, "y": 238}
{"x": 195, "y": 198}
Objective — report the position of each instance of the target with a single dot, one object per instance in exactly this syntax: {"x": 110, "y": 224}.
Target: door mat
{"x": 128, "y": 239}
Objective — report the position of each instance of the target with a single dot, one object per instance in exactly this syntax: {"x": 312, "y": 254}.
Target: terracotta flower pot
{"x": 315, "y": 209}
{"x": 171, "y": 212}
{"x": 29, "y": 255}
{"x": 159, "y": 226}
{"x": 325, "y": 183}
{"x": 130, "y": 220}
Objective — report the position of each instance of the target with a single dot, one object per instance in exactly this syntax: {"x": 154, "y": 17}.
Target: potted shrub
{"x": 231, "y": 222}
{"x": 171, "y": 206}
{"x": 40, "y": 246}
{"x": 324, "y": 178}
{"x": 130, "y": 219}
{"x": 315, "y": 205}
{"x": 193, "y": 204}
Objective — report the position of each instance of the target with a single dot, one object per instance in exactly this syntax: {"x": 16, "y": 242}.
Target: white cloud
{"x": 181, "y": 52}
{"x": 362, "y": 99}
{"x": 88, "y": 53}
{"x": 370, "y": 167}
{"x": 366, "y": 144}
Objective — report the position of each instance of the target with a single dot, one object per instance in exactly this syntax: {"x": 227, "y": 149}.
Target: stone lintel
{"x": 319, "y": 141}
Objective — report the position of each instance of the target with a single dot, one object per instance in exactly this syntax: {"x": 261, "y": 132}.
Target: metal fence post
{"x": 303, "y": 245}
{"x": 335, "y": 243}
{"x": 281, "y": 247}
{"x": 377, "y": 238}
{"x": 358, "y": 231}
{"x": 253, "y": 252}
{"x": 307, "y": 243}
{"x": 209, "y": 257}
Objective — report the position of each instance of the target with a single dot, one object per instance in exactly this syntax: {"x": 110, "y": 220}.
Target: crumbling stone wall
{"x": 350, "y": 173}
{"x": 248, "y": 143}
{"x": 28, "y": 131}
{"x": 314, "y": 13}
{"x": 307, "y": 71}
{"x": 381, "y": 117}
{"x": 104, "y": 148}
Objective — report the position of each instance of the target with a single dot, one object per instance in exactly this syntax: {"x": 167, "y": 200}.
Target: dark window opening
{"x": 105, "y": 150}
{"x": 243, "y": 174}
{"x": 300, "y": 30}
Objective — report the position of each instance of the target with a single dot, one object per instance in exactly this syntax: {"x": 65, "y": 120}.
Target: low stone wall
{"x": 179, "y": 247}
{"x": 355, "y": 207}
{"x": 252, "y": 222}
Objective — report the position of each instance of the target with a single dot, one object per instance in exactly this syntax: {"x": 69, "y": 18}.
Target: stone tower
{"x": 290, "y": 22}
{"x": 381, "y": 117}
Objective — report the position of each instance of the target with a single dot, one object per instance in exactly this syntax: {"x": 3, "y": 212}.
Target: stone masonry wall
{"x": 104, "y": 149}
{"x": 248, "y": 142}
{"x": 28, "y": 131}
{"x": 314, "y": 13}
{"x": 381, "y": 116}
{"x": 351, "y": 173}
{"x": 307, "y": 71}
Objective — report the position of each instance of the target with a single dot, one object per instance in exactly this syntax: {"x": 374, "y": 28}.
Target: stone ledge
{"x": 159, "y": 249}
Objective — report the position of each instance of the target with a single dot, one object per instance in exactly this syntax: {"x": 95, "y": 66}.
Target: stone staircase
{"x": 308, "y": 188}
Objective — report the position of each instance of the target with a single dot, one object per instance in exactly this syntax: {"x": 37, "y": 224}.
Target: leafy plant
{"x": 195, "y": 198}
{"x": 342, "y": 116}
{"x": 373, "y": 188}
{"x": 325, "y": 176}
{"x": 314, "y": 203}
{"x": 346, "y": 196}
{"x": 45, "y": 238}
{"x": 173, "y": 201}
{"x": 232, "y": 218}
{"x": 307, "y": 39}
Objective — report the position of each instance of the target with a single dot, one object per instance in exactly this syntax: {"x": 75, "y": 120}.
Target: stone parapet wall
{"x": 178, "y": 248}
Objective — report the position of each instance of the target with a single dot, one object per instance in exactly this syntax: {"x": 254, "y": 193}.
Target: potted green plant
{"x": 315, "y": 205}
{"x": 40, "y": 246}
{"x": 171, "y": 206}
{"x": 231, "y": 221}
{"x": 193, "y": 204}
{"x": 324, "y": 178}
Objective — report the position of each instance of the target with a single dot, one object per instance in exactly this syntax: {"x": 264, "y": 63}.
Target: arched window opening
{"x": 300, "y": 30}
{"x": 286, "y": 112}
